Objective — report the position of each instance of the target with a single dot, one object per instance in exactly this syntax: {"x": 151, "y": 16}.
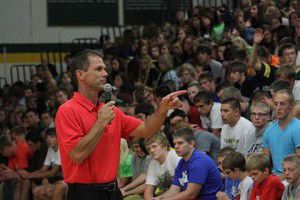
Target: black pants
{"x": 94, "y": 192}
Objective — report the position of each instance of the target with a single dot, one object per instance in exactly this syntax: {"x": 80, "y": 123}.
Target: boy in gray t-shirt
{"x": 207, "y": 142}
{"x": 291, "y": 168}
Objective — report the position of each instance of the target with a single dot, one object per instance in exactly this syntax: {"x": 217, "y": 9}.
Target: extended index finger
{"x": 178, "y": 93}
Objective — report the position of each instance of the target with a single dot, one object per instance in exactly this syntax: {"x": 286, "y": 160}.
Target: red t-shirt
{"x": 74, "y": 120}
{"x": 194, "y": 116}
{"x": 270, "y": 188}
{"x": 20, "y": 160}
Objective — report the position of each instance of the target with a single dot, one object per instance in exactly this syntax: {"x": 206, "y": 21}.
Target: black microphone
{"x": 107, "y": 92}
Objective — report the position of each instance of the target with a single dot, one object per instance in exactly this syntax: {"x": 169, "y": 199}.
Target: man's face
{"x": 7, "y": 152}
{"x": 66, "y": 79}
{"x": 182, "y": 147}
{"x": 95, "y": 76}
{"x": 176, "y": 48}
{"x": 258, "y": 176}
{"x": 205, "y": 21}
{"x": 241, "y": 22}
{"x": 137, "y": 150}
{"x": 195, "y": 22}
{"x": 230, "y": 173}
{"x": 157, "y": 151}
{"x": 297, "y": 28}
{"x": 2, "y": 116}
{"x": 289, "y": 56}
{"x": 165, "y": 50}
{"x": 187, "y": 44}
{"x": 46, "y": 119}
{"x": 220, "y": 52}
{"x": 51, "y": 141}
{"x": 207, "y": 85}
{"x": 291, "y": 172}
{"x": 144, "y": 50}
{"x": 275, "y": 23}
{"x": 176, "y": 119}
{"x": 28, "y": 93}
{"x": 202, "y": 58}
{"x": 185, "y": 106}
{"x": 61, "y": 97}
{"x": 253, "y": 11}
{"x": 115, "y": 65}
{"x": 191, "y": 92}
{"x": 181, "y": 35}
{"x": 203, "y": 108}
{"x": 32, "y": 118}
{"x": 235, "y": 77}
{"x": 33, "y": 146}
{"x": 220, "y": 162}
{"x": 160, "y": 39}
{"x": 267, "y": 36}
{"x": 155, "y": 52}
{"x": 198, "y": 71}
{"x": 31, "y": 103}
{"x": 186, "y": 76}
{"x": 162, "y": 65}
{"x": 258, "y": 117}
{"x": 282, "y": 106}
{"x": 227, "y": 113}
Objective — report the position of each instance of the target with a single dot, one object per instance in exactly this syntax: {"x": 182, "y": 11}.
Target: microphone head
{"x": 107, "y": 87}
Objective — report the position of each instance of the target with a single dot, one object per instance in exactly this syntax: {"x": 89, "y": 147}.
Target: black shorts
{"x": 107, "y": 191}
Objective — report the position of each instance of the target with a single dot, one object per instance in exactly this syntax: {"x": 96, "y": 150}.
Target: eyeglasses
{"x": 259, "y": 114}
{"x": 227, "y": 172}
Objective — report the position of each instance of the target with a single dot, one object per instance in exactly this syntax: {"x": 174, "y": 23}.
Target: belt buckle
{"x": 110, "y": 187}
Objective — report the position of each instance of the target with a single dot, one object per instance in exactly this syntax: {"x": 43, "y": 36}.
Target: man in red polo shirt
{"x": 89, "y": 132}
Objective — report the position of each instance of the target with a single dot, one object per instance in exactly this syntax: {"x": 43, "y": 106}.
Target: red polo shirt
{"x": 74, "y": 120}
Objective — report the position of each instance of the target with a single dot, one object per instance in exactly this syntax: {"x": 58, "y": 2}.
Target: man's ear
{"x": 267, "y": 171}
{"x": 236, "y": 112}
{"x": 80, "y": 74}
{"x": 192, "y": 143}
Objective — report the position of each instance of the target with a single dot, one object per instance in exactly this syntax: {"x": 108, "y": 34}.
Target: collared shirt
{"x": 74, "y": 120}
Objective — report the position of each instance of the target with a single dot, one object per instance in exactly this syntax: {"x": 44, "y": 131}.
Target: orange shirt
{"x": 20, "y": 160}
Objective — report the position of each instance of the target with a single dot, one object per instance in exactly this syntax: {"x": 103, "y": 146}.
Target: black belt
{"x": 108, "y": 187}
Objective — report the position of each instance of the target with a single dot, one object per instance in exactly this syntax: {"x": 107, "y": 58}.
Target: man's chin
{"x": 179, "y": 154}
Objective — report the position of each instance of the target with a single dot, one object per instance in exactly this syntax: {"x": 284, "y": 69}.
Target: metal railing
{"x": 53, "y": 57}
{"x": 3, "y": 82}
{"x": 21, "y": 72}
{"x": 212, "y": 3}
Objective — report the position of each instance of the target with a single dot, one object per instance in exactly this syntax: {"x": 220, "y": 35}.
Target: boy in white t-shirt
{"x": 237, "y": 132}
{"x": 234, "y": 166}
{"x": 162, "y": 166}
{"x": 210, "y": 113}
{"x": 52, "y": 184}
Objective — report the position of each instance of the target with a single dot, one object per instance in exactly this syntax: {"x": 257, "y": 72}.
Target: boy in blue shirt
{"x": 197, "y": 175}
{"x": 230, "y": 185}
